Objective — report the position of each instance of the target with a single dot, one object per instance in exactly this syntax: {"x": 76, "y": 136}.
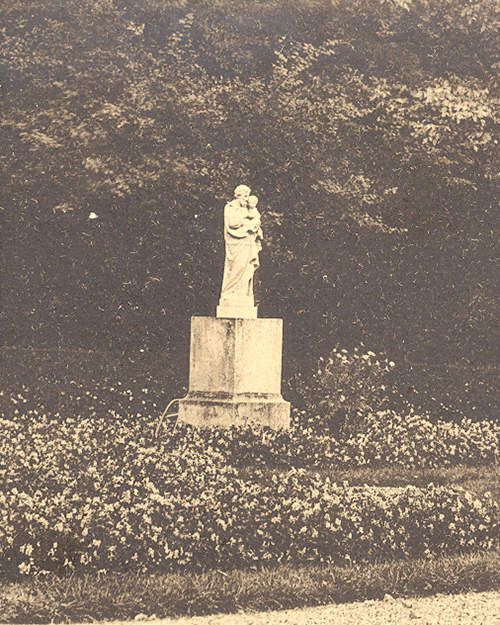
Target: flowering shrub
{"x": 388, "y": 438}
{"x": 81, "y": 493}
{"x": 412, "y": 440}
{"x": 69, "y": 397}
{"x": 343, "y": 389}
{"x": 101, "y": 491}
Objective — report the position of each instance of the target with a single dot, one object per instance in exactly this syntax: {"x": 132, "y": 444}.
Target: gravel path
{"x": 467, "y": 609}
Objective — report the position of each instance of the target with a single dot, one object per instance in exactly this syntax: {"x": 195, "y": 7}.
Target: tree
{"x": 367, "y": 129}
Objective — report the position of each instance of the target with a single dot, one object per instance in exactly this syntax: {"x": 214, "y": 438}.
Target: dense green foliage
{"x": 365, "y": 127}
{"x": 97, "y": 486}
{"x": 346, "y": 422}
{"x": 81, "y": 494}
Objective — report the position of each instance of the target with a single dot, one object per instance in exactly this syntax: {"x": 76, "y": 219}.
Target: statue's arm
{"x": 254, "y": 223}
{"x": 234, "y": 222}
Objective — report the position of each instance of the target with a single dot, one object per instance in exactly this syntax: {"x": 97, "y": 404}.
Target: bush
{"x": 343, "y": 389}
{"x": 388, "y": 439}
{"x": 96, "y": 494}
{"x": 412, "y": 440}
{"x": 368, "y": 129}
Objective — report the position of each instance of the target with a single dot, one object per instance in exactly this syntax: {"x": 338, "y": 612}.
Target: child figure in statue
{"x": 254, "y": 215}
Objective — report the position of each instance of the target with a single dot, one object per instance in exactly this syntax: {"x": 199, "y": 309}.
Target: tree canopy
{"x": 365, "y": 127}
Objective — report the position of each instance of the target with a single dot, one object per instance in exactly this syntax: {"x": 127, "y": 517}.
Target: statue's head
{"x": 242, "y": 191}
{"x": 253, "y": 200}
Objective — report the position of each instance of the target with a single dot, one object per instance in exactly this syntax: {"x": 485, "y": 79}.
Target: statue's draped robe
{"x": 242, "y": 252}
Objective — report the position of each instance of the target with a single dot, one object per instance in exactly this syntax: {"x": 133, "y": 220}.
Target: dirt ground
{"x": 465, "y": 609}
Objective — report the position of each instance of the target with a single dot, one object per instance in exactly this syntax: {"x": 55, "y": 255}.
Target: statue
{"x": 242, "y": 236}
{"x": 235, "y": 358}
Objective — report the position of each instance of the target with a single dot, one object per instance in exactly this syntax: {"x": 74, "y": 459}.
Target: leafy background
{"x": 365, "y": 127}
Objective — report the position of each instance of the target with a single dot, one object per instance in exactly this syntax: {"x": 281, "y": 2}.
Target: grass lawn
{"x": 123, "y": 596}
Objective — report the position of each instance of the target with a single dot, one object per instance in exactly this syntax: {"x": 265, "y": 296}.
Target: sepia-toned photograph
{"x": 248, "y": 312}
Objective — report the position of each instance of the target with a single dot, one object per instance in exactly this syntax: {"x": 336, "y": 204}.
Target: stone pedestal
{"x": 235, "y": 373}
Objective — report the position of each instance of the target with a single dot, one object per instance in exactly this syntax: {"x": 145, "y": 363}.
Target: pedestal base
{"x": 235, "y": 373}
{"x": 208, "y": 411}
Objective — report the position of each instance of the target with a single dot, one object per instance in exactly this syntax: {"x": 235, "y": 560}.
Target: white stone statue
{"x": 242, "y": 236}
